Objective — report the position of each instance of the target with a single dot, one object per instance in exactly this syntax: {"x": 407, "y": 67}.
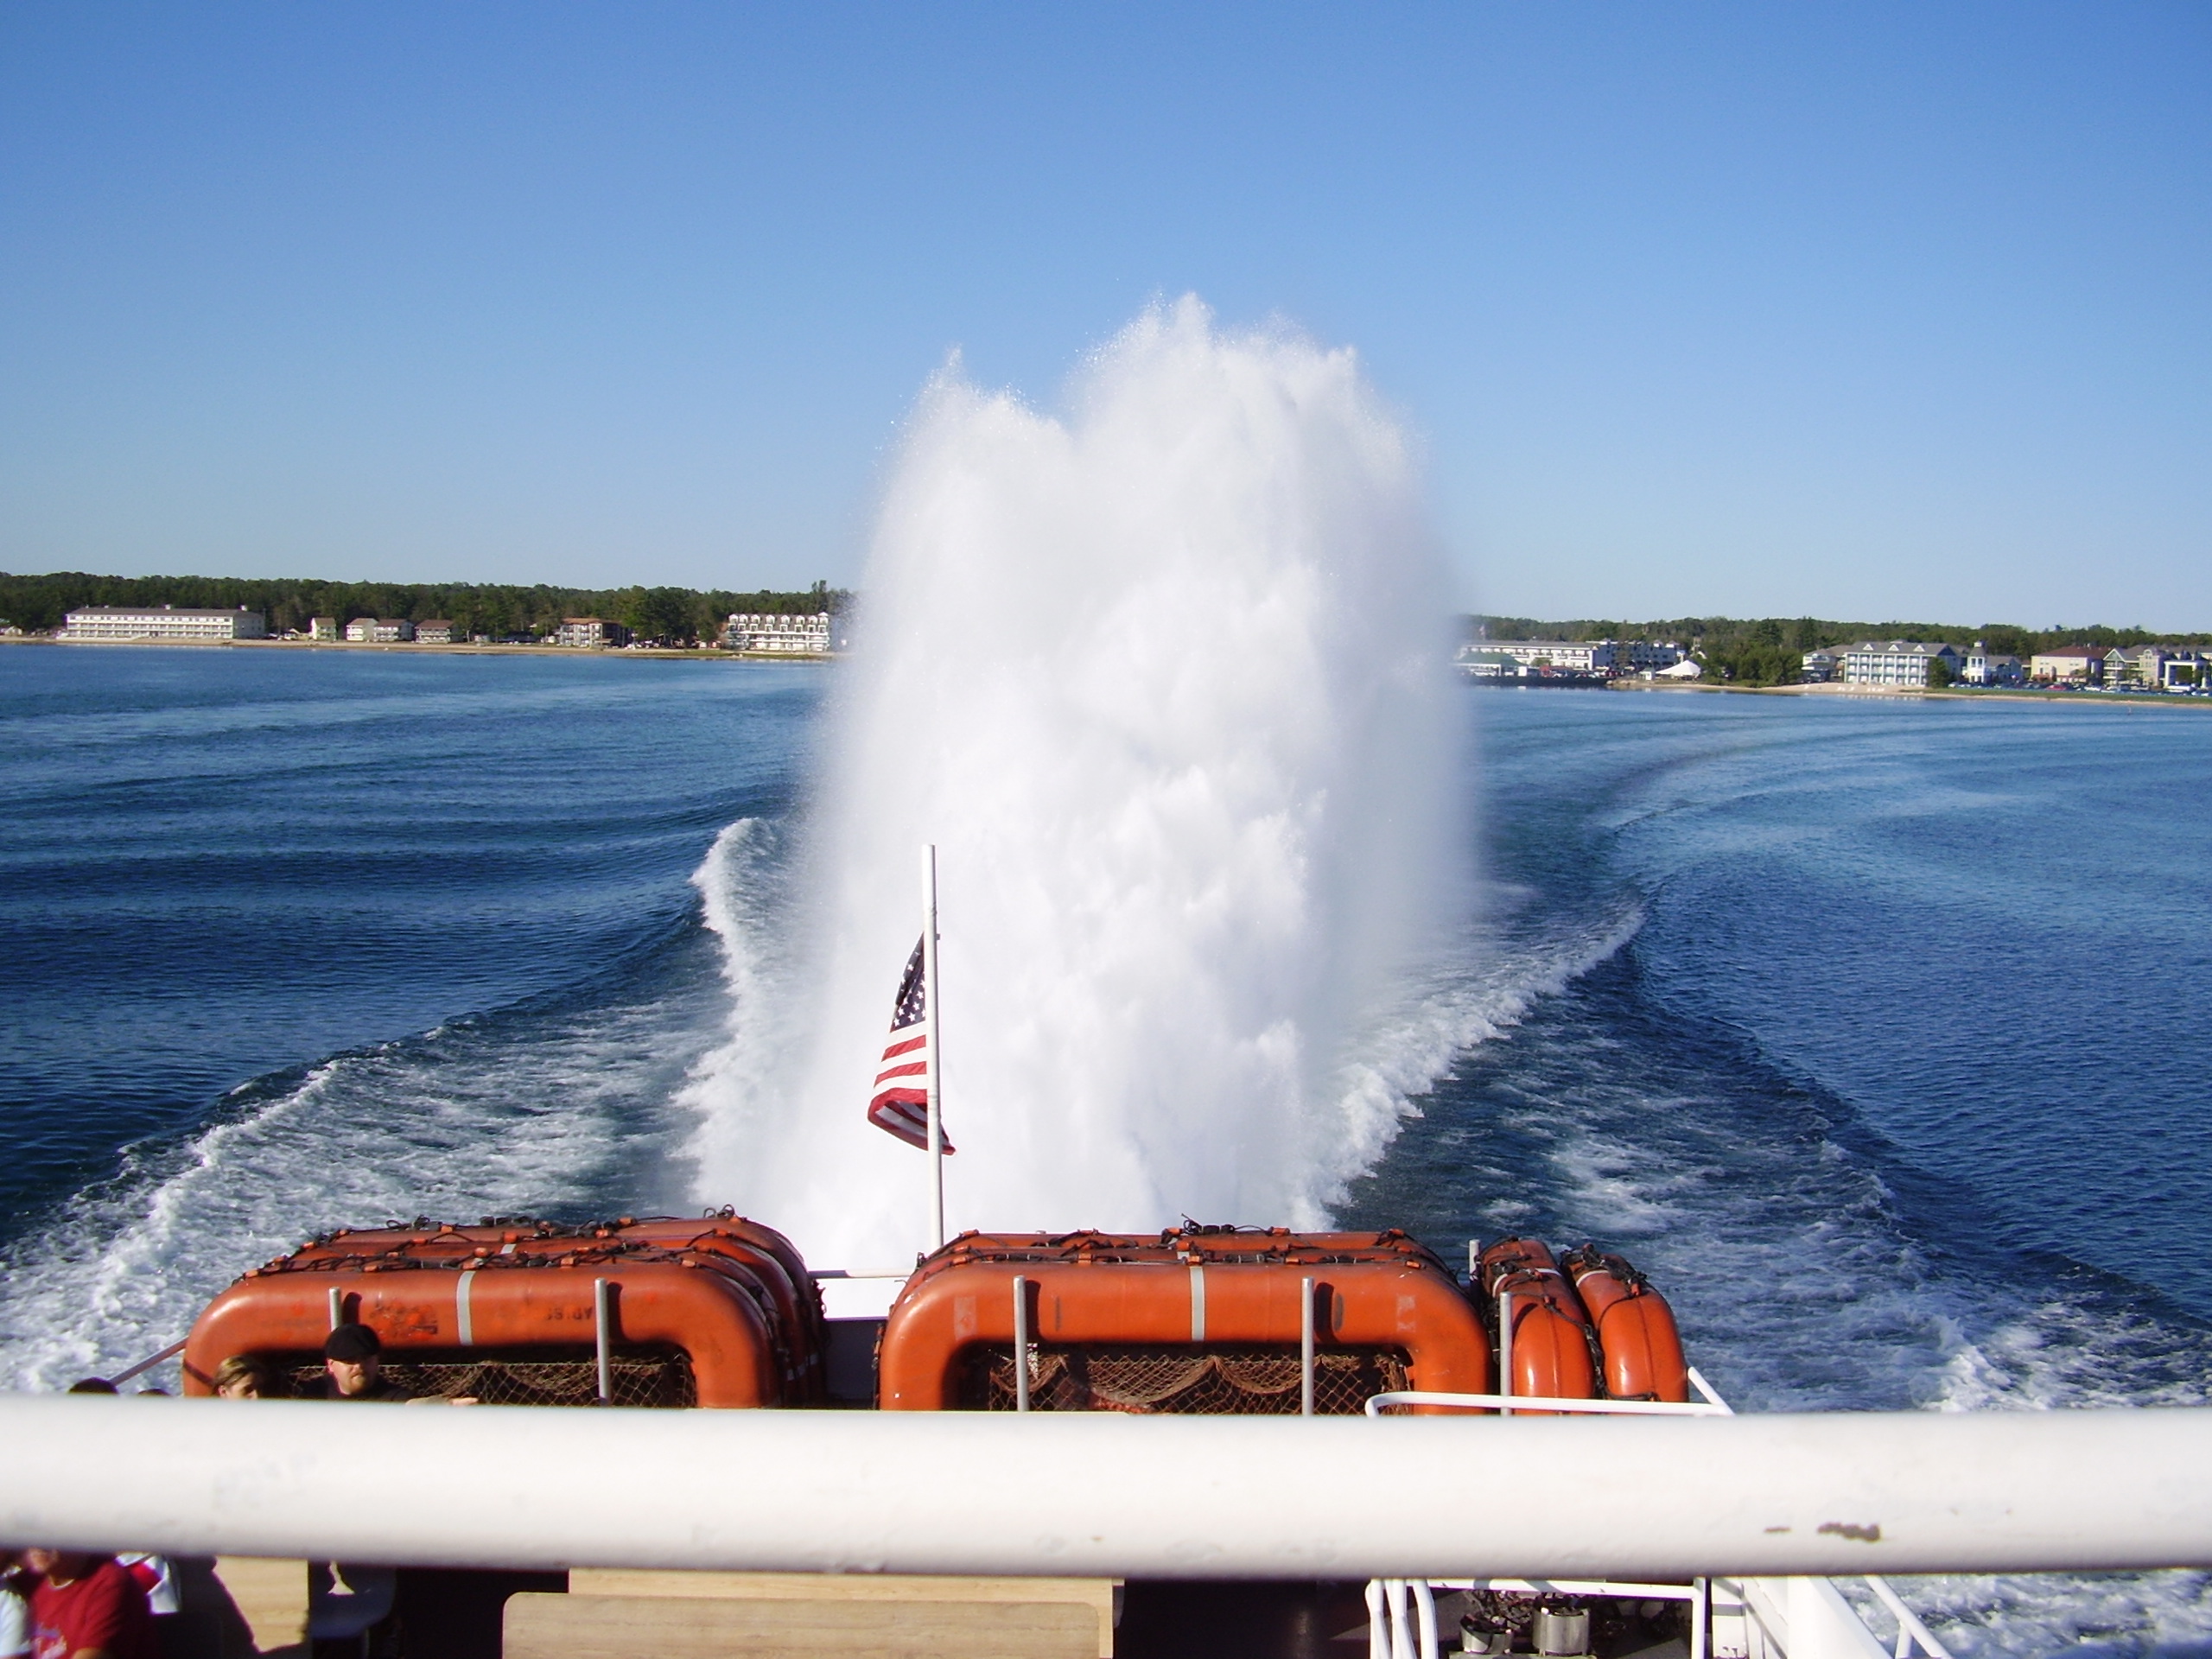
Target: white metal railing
{"x": 1911, "y": 1633}
{"x": 1394, "y": 1633}
{"x": 1505, "y": 1404}
{"x": 1082, "y": 1493}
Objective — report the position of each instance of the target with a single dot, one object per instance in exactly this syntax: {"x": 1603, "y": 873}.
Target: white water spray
{"x": 1164, "y": 682}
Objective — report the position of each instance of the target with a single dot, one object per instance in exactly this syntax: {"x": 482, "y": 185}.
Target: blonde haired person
{"x": 242, "y": 1376}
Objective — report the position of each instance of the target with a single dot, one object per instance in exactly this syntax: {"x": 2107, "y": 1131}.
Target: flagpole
{"x": 936, "y": 1054}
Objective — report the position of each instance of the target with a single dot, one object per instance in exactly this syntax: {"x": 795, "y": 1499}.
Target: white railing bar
{"x": 860, "y": 1273}
{"x": 1698, "y": 1382}
{"x": 1908, "y": 1623}
{"x": 602, "y": 1325}
{"x": 1378, "y": 1620}
{"x": 1078, "y": 1493}
{"x": 146, "y": 1365}
{"x": 1505, "y": 1350}
{"x": 1378, "y": 1403}
{"x": 1425, "y": 1608}
{"x": 1305, "y": 1347}
{"x": 1021, "y": 1343}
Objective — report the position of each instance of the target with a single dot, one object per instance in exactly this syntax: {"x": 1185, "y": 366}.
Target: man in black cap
{"x": 352, "y": 1359}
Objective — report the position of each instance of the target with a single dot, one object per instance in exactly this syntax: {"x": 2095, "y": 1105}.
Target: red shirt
{"x": 104, "y": 1609}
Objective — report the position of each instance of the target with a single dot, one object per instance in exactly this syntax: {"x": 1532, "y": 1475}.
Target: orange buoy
{"x": 1637, "y": 1339}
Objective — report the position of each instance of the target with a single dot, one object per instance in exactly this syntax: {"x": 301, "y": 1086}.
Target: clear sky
{"x": 1863, "y": 310}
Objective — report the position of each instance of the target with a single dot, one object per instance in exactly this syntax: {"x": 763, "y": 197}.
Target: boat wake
{"x": 554, "y": 1107}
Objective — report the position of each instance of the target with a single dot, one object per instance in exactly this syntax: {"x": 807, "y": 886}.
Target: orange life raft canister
{"x": 1641, "y": 1349}
{"x": 714, "y": 1313}
{"x": 1193, "y": 1320}
{"x": 1548, "y": 1332}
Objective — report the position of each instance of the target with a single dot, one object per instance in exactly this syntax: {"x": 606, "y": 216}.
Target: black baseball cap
{"x": 353, "y": 1343}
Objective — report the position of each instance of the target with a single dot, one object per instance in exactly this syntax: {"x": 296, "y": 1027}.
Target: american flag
{"x": 901, "y": 1106}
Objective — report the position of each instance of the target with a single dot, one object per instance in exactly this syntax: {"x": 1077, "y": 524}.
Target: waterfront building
{"x": 1897, "y": 662}
{"x": 1978, "y": 666}
{"x": 2181, "y": 669}
{"x": 1821, "y": 666}
{"x": 2083, "y": 662}
{"x": 322, "y": 627}
{"x": 769, "y": 631}
{"x": 2156, "y": 668}
{"x": 433, "y": 632}
{"x": 163, "y": 622}
{"x": 1590, "y": 655}
{"x": 585, "y": 633}
{"x": 1640, "y": 654}
{"x": 379, "y": 631}
{"x": 1478, "y": 662}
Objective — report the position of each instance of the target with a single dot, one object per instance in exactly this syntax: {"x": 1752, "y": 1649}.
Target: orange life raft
{"x": 719, "y": 1311}
{"x": 1541, "y": 1320}
{"x": 1194, "y": 1319}
{"x": 1638, "y": 1345}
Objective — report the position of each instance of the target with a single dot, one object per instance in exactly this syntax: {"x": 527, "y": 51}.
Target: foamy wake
{"x": 545, "y": 1111}
{"x": 1164, "y": 682}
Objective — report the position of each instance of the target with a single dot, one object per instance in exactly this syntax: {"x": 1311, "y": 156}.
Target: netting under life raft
{"x": 1244, "y": 1380}
{"x": 637, "y": 1379}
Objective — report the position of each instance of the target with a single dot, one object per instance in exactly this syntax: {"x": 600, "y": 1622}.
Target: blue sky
{"x": 1861, "y": 310}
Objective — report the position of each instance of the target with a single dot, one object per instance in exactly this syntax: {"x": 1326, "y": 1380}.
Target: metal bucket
{"x": 1562, "y": 1631}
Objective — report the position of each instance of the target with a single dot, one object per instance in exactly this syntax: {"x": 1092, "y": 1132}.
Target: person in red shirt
{"x": 86, "y": 1606}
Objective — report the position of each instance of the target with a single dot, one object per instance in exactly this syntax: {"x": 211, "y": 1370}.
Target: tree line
{"x": 1771, "y": 651}
{"x": 498, "y": 610}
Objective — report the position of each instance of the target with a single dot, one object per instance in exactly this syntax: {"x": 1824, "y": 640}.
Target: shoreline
{"x": 1912, "y": 694}
{"x": 651, "y": 653}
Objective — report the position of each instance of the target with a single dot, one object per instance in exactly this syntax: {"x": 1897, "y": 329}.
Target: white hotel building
{"x": 163, "y": 622}
{"x": 1590, "y": 655}
{"x": 1899, "y": 662}
{"x": 750, "y": 630}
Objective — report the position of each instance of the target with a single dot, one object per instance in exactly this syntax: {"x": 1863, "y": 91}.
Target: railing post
{"x": 1425, "y": 1606}
{"x": 1021, "y": 1345}
{"x": 1505, "y": 1347}
{"x": 337, "y": 1307}
{"x": 602, "y": 1302}
{"x": 1306, "y": 1349}
{"x": 1378, "y": 1622}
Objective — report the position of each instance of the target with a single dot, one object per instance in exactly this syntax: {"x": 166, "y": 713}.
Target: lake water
{"x": 1878, "y": 1032}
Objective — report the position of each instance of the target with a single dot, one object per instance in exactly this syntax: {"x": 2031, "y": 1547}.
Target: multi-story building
{"x": 1821, "y": 666}
{"x": 2155, "y": 667}
{"x": 753, "y": 630}
{"x": 379, "y": 630}
{"x": 1978, "y": 666}
{"x": 1640, "y": 654}
{"x": 2083, "y": 662}
{"x": 586, "y": 631}
{"x": 163, "y": 622}
{"x": 322, "y": 627}
{"x": 1590, "y": 655}
{"x": 2185, "y": 667}
{"x": 433, "y": 632}
{"x": 1479, "y": 663}
{"x": 1897, "y": 662}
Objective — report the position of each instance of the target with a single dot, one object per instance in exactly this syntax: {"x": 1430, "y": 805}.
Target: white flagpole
{"x": 936, "y": 1054}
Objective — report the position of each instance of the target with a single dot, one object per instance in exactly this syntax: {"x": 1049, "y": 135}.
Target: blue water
{"x": 1878, "y": 1032}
